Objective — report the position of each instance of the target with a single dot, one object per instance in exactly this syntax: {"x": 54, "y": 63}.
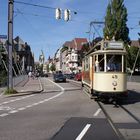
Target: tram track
{"x": 108, "y": 117}
{"x": 131, "y": 114}
{"x": 113, "y": 124}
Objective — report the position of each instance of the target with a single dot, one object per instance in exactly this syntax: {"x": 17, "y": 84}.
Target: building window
{"x": 76, "y": 57}
{"x": 72, "y": 57}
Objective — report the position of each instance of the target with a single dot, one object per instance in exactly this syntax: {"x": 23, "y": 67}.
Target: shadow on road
{"x": 133, "y": 97}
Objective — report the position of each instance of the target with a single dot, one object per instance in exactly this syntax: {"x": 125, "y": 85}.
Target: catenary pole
{"x": 10, "y": 43}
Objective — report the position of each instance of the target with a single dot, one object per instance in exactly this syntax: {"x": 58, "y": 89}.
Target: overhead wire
{"x": 37, "y": 33}
{"x": 35, "y": 5}
{"x": 22, "y": 9}
{"x": 41, "y": 6}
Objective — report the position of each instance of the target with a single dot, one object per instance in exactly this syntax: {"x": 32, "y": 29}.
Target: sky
{"x": 38, "y": 27}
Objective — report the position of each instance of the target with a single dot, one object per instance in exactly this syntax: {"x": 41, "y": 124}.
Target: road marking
{"x": 6, "y": 108}
{"x": 4, "y": 114}
{"x": 22, "y": 108}
{"x": 80, "y": 136}
{"x": 41, "y": 102}
{"x": 57, "y": 85}
{"x": 17, "y": 99}
{"x": 29, "y": 106}
{"x": 97, "y": 112}
{"x": 13, "y": 111}
{"x": 34, "y": 104}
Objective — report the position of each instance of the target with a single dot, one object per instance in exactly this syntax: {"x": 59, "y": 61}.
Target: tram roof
{"x": 106, "y": 46}
{"x": 108, "y": 52}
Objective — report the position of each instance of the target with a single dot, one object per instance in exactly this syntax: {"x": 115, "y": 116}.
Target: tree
{"x": 64, "y": 48}
{"x": 48, "y": 69}
{"x": 115, "y": 21}
{"x": 52, "y": 67}
{"x": 133, "y": 53}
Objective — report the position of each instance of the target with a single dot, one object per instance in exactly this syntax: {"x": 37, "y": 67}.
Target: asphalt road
{"x": 63, "y": 111}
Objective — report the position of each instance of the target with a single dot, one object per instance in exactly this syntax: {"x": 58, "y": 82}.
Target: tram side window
{"x": 86, "y": 64}
{"x": 99, "y": 63}
{"x": 114, "y": 63}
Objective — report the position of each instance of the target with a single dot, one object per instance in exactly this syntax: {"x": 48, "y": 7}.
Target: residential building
{"x": 73, "y": 62}
{"x": 58, "y": 60}
{"x": 135, "y": 43}
{"x": 24, "y": 55}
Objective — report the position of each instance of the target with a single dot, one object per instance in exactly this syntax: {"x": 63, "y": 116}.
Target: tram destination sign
{"x": 115, "y": 45}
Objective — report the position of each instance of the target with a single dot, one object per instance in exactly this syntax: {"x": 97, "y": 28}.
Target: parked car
{"x": 78, "y": 76}
{"x": 70, "y": 75}
{"x": 59, "y": 77}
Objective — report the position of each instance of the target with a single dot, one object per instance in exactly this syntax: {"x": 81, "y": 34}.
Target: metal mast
{"x": 10, "y": 43}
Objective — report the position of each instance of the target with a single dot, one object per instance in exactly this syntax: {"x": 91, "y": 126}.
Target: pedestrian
{"x": 30, "y": 74}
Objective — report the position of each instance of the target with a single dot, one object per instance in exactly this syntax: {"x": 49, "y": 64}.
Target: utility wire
{"x": 31, "y": 14}
{"x": 22, "y": 9}
{"x": 39, "y": 15}
{"x": 36, "y": 5}
{"x": 41, "y": 6}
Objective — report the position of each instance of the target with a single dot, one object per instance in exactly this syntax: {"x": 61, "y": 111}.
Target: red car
{"x": 78, "y": 76}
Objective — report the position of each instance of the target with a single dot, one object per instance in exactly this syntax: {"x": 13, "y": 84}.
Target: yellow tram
{"x": 104, "y": 69}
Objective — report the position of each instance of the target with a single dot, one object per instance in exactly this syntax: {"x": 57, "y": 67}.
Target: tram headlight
{"x": 114, "y": 83}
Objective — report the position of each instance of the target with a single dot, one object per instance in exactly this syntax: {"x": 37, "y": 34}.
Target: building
{"x": 58, "y": 60}
{"x": 25, "y": 55}
{"x": 71, "y": 61}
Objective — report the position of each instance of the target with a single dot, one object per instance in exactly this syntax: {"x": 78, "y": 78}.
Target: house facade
{"x": 58, "y": 60}
{"x": 71, "y": 62}
{"x": 25, "y": 55}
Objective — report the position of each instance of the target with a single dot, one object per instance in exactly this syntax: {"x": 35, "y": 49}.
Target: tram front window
{"x": 114, "y": 63}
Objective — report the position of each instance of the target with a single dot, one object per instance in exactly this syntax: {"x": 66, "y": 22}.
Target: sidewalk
{"x": 133, "y": 86}
{"x": 27, "y": 87}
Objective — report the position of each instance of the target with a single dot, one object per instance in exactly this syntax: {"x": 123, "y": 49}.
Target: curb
{"x": 27, "y": 92}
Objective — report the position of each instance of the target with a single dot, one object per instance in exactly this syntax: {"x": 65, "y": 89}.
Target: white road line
{"x": 97, "y": 112}
{"x": 57, "y": 85}
{"x": 80, "y": 136}
{"x": 29, "y": 106}
{"x": 13, "y": 111}
{"x": 22, "y": 108}
{"x": 41, "y": 102}
{"x": 34, "y": 104}
{"x": 4, "y": 114}
{"x": 17, "y": 99}
{"x": 5, "y": 102}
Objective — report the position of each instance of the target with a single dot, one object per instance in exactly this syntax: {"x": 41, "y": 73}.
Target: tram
{"x": 104, "y": 70}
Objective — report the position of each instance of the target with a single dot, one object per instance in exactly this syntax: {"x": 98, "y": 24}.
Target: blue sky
{"x": 39, "y": 28}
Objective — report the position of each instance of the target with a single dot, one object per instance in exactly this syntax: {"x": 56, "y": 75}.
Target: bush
{"x": 10, "y": 91}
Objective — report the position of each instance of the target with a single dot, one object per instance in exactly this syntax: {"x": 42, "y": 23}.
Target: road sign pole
{"x": 10, "y": 43}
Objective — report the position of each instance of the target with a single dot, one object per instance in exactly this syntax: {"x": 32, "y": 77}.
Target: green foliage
{"x": 3, "y": 77}
{"x": 53, "y": 68}
{"x": 48, "y": 68}
{"x": 10, "y": 91}
{"x": 132, "y": 57}
{"x": 85, "y": 47}
{"x": 64, "y": 48}
{"x": 115, "y": 21}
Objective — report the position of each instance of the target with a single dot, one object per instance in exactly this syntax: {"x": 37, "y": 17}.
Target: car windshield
{"x": 59, "y": 75}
